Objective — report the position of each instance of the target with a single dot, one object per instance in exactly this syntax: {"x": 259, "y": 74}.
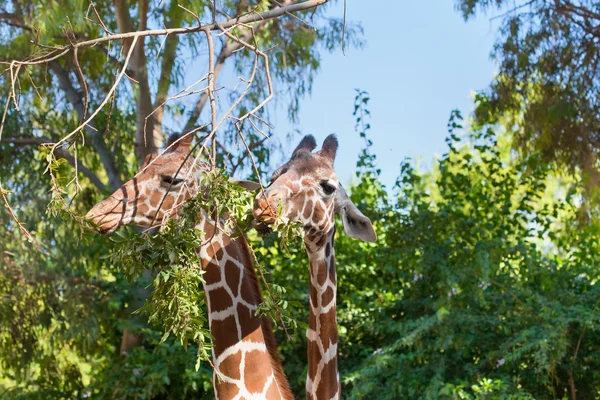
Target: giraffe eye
{"x": 327, "y": 188}
{"x": 171, "y": 181}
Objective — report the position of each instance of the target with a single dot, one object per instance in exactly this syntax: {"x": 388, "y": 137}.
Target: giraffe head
{"x": 163, "y": 183}
{"x": 307, "y": 189}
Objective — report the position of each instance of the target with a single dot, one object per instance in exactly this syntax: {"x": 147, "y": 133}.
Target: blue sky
{"x": 421, "y": 60}
{"x": 417, "y": 69}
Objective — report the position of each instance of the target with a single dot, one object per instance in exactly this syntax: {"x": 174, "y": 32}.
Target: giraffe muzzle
{"x": 107, "y": 215}
{"x": 265, "y": 212}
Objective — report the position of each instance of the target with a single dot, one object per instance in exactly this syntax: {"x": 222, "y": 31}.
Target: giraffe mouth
{"x": 104, "y": 224}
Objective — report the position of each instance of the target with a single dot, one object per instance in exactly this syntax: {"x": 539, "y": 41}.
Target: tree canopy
{"x": 483, "y": 283}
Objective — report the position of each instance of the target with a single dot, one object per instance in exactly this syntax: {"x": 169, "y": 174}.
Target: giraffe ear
{"x": 356, "y": 224}
{"x": 329, "y": 149}
{"x": 177, "y": 142}
{"x": 248, "y": 185}
{"x": 308, "y": 142}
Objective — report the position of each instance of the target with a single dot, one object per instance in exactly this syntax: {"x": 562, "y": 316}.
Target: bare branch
{"x": 211, "y": 93}
{"x": 245, "y": 19}
{"x": 227, "y": 51}
{"x": 3, "y": 193}
{"x": 97, "y": 140}
{"x": 60, "y": 153}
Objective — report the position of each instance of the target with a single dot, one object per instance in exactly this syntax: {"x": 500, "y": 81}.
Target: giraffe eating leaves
{"x": 307, "y": 189}
{"x": 245, "y": 357}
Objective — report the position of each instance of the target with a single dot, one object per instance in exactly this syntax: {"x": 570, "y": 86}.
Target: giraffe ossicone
{"x": 307, "y": 189}
{"x": 247, "y": 365}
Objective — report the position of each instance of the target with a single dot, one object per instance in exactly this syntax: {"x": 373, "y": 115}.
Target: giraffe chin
{"x": 262, "y": 228}
{"x": 107, "y": 230}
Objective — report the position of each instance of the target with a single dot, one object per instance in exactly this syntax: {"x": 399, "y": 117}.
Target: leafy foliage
{"x": 548, "y": 82}
{"x": 64, "y": 307}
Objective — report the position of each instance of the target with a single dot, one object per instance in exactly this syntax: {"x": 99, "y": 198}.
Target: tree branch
{"x": 245, "y": 154}
{"x": 60, "y": 153}
{"x": 245, "y": 19}
{"x": 167, "y": 64}
{"x": 74, "y": 97}
{"x": 227, "y": 51}
{"x": 14, "y": 20}
{"x": 148, "y": 139}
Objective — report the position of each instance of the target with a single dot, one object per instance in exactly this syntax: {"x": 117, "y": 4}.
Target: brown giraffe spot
{"x": 314, "y": 297}
{"x": 230, "y": 366}
{"x": 321, "y": 272}
{"x": 312, "y": 321}
{"x": 167, "y": 203}
{"x": 228, "y": 334}
{"x": 327, "y": 249}
{"x": 313, "y": 363}
{"x": 250, "y": 324}
{"x": 293, "y": 214}
{"x": 212, "y": 272}
{"x": 214, "y": 251}
{"x": 327, "y": 296}
{"x": 256, "y": 371}
{"x": 208, "y": 229}
{"x": 308, "y": 208}
{"x": 328, "y": 331}
{"x": 143, "y": 209}
{"x": 226, "y": 390}
{"x": 219, "y": 299}
{"x": 248, "y": 292}
{"x": 232, "y": 276}
{"x": 332, "y": 273}
{"x": 327, "y": 389}
{"x": 155, "y": 199}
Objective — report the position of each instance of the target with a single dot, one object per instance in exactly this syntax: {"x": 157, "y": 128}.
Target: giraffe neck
{"x": 246, "y": 363}
{"x": 323, "y": 380}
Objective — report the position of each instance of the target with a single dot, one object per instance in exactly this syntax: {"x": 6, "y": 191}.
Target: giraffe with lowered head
{"x": 245, "y": 358}
{"x": 307, "y": 189}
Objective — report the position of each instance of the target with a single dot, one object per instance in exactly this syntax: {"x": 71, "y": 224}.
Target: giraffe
{"x": 245, "y": 358}
{"x": 307, "y": 189}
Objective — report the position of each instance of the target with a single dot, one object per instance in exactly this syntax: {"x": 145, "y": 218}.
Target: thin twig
{"x": 211, "y": 93}
{"x": 12, "y": 214}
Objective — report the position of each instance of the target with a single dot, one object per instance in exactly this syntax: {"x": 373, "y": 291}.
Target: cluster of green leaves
{"x": 175, "y": 304}
{"x": 170, "y": 256}
{"x": 547, "y": 53}
{"x": 480, "y": 279}
{"x": 158, "y": 369}
{"x": 481, "y": 286}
